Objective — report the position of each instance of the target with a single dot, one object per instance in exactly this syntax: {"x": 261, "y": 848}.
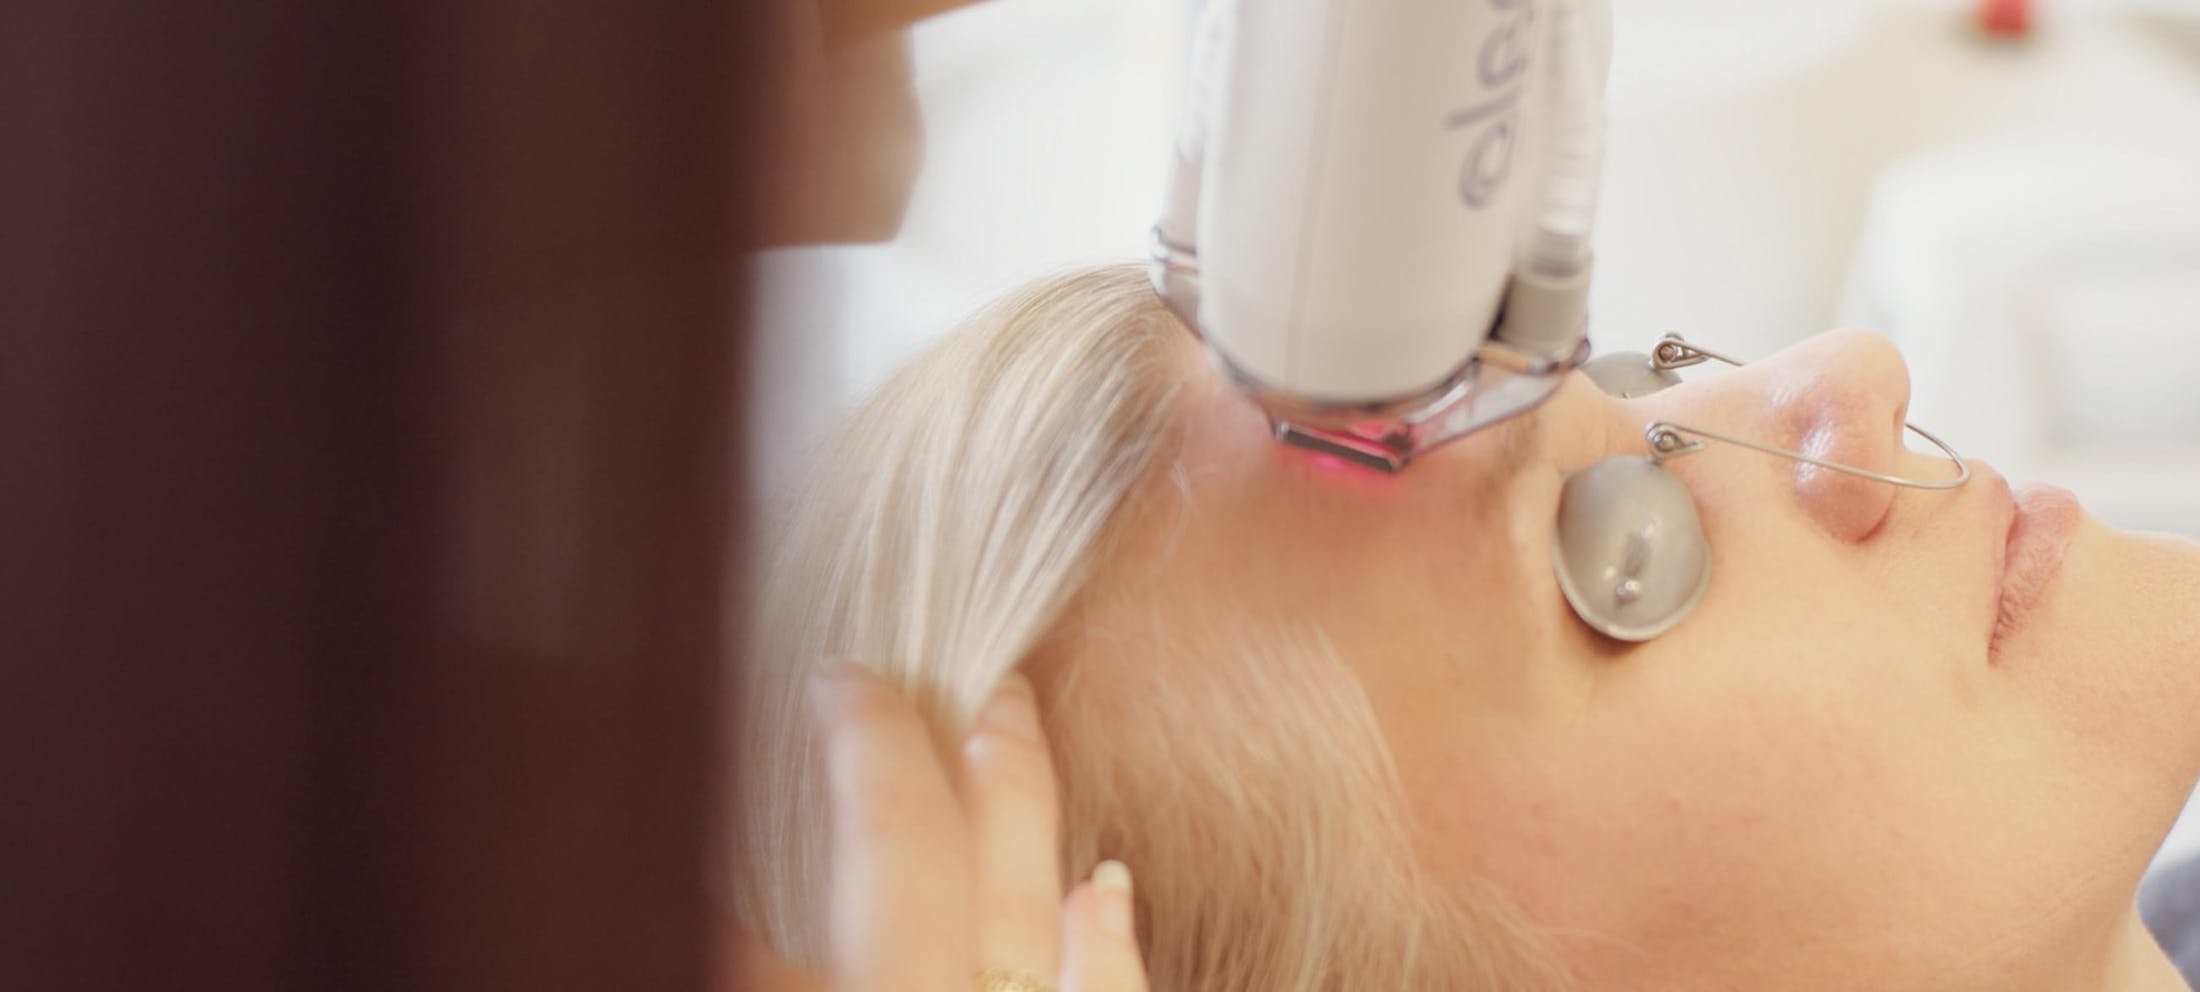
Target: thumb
{"x": 1099, "y": 938}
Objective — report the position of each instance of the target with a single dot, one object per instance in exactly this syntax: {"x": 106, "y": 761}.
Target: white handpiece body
{"x": 1358, "y": 183}
{"x": 1363, "y": 190}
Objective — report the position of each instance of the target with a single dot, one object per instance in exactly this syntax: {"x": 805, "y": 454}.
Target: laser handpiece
{"x": 1379, "y": 211}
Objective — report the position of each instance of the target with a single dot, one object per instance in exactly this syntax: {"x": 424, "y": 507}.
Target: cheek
{"x": 1701, "y": 788}
{"x": 1688, "y": 803}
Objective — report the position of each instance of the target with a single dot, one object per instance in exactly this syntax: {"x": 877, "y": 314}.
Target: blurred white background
{"x": 2023, "y": 217}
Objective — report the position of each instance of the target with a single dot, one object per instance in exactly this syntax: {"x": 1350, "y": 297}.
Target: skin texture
{"x": 1822, "y": 774}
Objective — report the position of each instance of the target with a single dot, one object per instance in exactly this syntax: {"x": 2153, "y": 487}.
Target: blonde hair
{"x": 947, "y": 536}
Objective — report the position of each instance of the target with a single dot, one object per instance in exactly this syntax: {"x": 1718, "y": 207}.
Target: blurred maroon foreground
{"x": 365, "y": 457}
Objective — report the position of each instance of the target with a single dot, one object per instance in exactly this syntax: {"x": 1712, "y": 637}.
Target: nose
{"x": 1840, "y": 396}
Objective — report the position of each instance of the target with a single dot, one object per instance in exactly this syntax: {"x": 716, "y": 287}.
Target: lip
{"x": 2043, "y": 520}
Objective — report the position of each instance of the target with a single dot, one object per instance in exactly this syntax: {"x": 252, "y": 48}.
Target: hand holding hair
{"x": 946, "y": 881}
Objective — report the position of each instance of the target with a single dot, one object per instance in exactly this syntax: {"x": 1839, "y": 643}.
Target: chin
{"x": 2122, "y": 656}
{"x": 2166, "y": 568}
{"x": 2146, "y": 583}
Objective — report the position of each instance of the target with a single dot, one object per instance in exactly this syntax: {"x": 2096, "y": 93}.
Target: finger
{"x": 901, "y": 853}
{"x": 1008, "y": 794}
{"x": 1099, "y": 940}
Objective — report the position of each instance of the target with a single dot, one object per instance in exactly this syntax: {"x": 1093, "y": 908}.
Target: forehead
{"x": 1239, "y": 521}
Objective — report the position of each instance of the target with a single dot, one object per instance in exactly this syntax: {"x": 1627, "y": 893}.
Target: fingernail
{"x": 1013, "y": 711}
{"x": 1111, "y": 884}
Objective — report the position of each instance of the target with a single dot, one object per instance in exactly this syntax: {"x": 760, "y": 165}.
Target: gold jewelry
{"x": 1010, "y": 980}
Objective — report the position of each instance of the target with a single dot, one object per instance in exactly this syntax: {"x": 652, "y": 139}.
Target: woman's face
{"x": 1834, "y": 763}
